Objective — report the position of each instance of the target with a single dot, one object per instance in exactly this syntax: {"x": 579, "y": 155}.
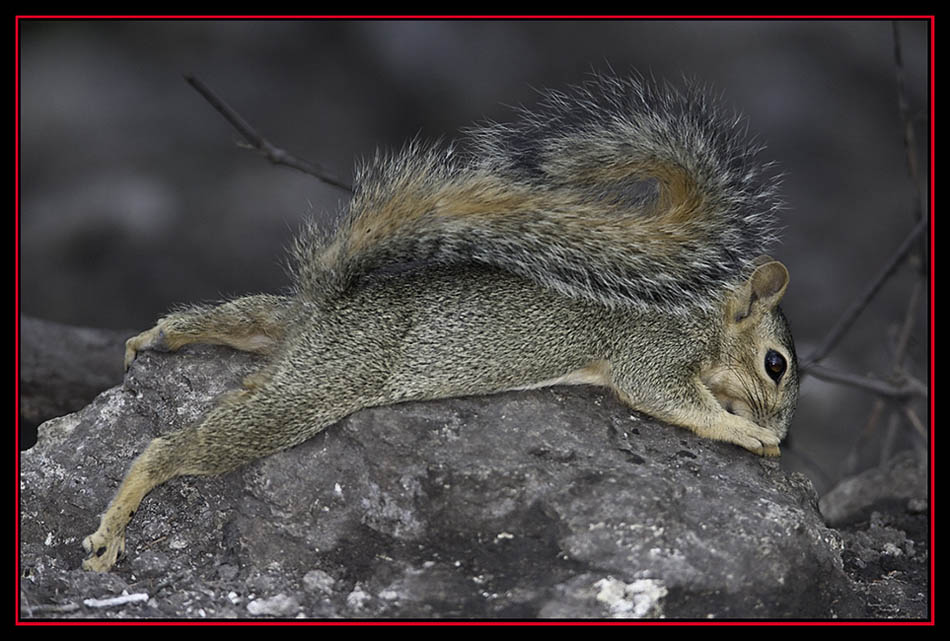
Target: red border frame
{"x": 18, "y": 18}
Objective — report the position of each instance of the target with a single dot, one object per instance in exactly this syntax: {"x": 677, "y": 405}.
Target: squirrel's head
{"x": 756, "y": 375}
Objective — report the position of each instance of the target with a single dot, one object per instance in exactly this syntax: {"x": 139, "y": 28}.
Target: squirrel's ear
{"x": 763, "y": 290}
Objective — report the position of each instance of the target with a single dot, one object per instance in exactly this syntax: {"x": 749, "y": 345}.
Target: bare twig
{"x": 910, "y": 317}
{"x": 910, "y": 142}
{"x": 275, "y": 154}
{"x": 911, "y": 386}
{"x": 914, "y": 420}
{"x": 149, "y": 544}
{"x": 899, "y": 399}
{"x": 921, "y": 217}
{"x": 850, "y": 315}
{"x": 910, "y": 153}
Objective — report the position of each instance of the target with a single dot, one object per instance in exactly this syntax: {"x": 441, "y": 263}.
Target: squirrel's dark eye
{"x": 774, "y": 365}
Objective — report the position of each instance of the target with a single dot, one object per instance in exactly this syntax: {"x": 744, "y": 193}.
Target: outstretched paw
{"x": 104, "y": 548}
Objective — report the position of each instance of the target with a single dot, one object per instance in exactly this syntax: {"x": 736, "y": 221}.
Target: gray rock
{"x": 558, "y": 502}
{"x": 902, "y": 481}
{"x": 62, "y": 368}
{"x": 883, "y": 517}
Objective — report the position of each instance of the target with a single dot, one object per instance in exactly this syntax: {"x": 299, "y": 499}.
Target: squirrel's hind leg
{"x": 150, "y": 469}
{"x": 261, "y": 419}
{"x": 251, "y": 323}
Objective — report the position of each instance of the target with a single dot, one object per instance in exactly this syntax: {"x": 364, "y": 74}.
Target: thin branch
{"x": 910, "y": 141}
{"x": 850, "y": 315}
{"x": 906, "y": 329}
{"x": 914, "y": 420}
{"x": 274, "y": 154}
{"x": 910, "y": 388}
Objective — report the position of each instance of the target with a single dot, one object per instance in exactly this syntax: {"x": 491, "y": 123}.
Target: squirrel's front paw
{"x": 759, "y": 440}
{"x": 104, "y": 547}
{"x": 739, "y": 430}
{"x": 770, "y": 451}
{"x": 744, "y": 433}
{"x": 150, "y": 339}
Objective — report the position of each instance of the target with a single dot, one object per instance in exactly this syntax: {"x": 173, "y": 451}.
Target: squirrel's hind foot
{"x": 150, "y": 339}
{"x": 104, "y": 547}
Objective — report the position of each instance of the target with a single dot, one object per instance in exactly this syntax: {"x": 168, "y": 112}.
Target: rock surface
{"x": 61, "y": 368}
{"x": 883, "y": 515}
{"x": 557, "y": 503}
{"x": 901, "y": 482}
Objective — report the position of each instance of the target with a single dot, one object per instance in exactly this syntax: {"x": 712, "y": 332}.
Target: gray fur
{"x": 614, "y": 241}
{"x": 566, "y": 155}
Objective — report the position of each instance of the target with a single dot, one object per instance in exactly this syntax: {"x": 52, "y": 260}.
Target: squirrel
{"x": 615, "y": 235}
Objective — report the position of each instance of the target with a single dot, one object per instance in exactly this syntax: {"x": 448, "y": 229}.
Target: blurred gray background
{"x": 134, "y": 197}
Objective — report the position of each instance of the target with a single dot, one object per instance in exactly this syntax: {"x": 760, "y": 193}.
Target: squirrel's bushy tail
{"x": 620, "y": 192}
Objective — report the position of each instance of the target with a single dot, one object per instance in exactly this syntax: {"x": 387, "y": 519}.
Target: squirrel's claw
{"x": 149, "y": 339}
{"x": 104, "y": 548}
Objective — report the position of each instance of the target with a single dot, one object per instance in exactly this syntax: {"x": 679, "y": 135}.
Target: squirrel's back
{"x": 619, "y": 191}
{"x": 640, "y": 215}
